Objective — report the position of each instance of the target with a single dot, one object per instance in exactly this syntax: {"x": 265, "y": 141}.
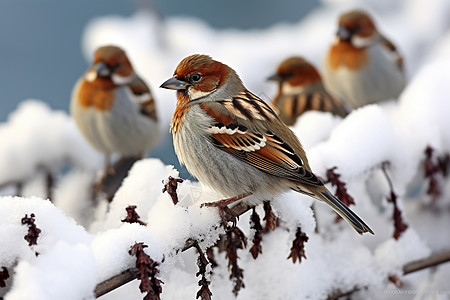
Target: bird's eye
{"x": 115, "y": 67}
{"x": 356, "y": 28}
{"x": 196, "y": 77}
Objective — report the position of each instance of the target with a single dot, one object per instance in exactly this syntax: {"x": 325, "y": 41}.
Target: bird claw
{"x": 225, "y": 213}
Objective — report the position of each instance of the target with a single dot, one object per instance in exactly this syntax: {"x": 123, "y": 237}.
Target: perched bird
{"x": 300, "y": 90}
{"x": 362, "y": 66}
{"x": 232, "y": 141}
{"x": 113, "y": 107}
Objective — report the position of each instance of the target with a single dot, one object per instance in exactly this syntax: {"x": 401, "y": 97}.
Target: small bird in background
{"x": 362, "y": 66}
{"x": 114, "y": 108}
{"x": 300, "y": 90}
{"x": 232, "y": 141}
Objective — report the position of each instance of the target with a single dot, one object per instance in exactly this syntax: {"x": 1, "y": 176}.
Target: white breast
{"x": 381, "y": 79}
{"x": 122, "y": 129}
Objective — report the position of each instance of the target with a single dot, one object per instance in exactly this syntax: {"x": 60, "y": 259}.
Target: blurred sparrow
{"x": 234, "y": 142}
{"x": 362, "y": 66}
{"x": 113, "y": 107}
{"x": 301, "y": 90}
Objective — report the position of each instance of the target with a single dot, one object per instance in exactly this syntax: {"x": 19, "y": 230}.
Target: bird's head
{"x": 295, "y": 73}
{"x": 357, "y": 28}
{"x": 110, "y": 66}
{"x": 198, "y": 76}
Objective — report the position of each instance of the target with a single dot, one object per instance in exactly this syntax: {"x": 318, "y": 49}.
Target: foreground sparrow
{"x": 234, "y": 142}
{"x": 301, "y": 90}
{"x": 113, "y": 107}
{"x": 362, "y": 66}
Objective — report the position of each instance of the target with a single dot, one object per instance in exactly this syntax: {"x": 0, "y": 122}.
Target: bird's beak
{"x": 174, "y": 84}
{"x": 275, "y": 77}
{"x": 102, "y": 70}
{"x": 343, "y": 33}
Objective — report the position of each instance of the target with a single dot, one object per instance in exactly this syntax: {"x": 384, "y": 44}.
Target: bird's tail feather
{"x": 346, "y": 213}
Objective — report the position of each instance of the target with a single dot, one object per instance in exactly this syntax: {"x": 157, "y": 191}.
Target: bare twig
{"x": 411, "y": 267}
{"x": 129, "y": 274}
{"x": 430, "y": 261}
{"x": 114, "y": 282}
{"x": 19, "y": 188}
{"x": 399, "y": 224}
{"x": 109, "y": 183}
{"x": 49, "y": 183}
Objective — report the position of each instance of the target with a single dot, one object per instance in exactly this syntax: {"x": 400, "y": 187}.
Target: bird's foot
{"x": 225, "y": 213}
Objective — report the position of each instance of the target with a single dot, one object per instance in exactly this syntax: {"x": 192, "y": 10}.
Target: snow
{"x": 83, "y": 242}
{"x": 53, "y": 268}
{"x": 51, "y": 135}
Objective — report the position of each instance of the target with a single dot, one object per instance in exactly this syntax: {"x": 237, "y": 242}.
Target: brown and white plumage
{"x": 300, "y": 90}
{"x": 113, "y": 107}
{"x": 362, "y": 66}
{"x": 234, "y": 142}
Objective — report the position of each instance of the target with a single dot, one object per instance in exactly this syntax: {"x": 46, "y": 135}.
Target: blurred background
{"x": 46, "y": 45}
{"x": 41, "y": 40}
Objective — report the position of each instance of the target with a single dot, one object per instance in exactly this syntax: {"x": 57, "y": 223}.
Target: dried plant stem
{"x": 128, "y": 275}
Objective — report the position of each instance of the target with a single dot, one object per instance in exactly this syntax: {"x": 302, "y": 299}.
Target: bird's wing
{"x": 292, "y": 106}
{"x": 143, "y": 98}
{"x": 393, "y": 50}
{"x": 257, "y": 146}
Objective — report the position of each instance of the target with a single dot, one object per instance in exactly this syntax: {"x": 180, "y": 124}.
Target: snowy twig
{"x": 238, "y": 210}
{"x": 430, "y": 261}
{"x": 411, "y": 267}
{"x": 114, "y": 282}
{"x": 130, "y": 274}
{"x": 399, "y": 225}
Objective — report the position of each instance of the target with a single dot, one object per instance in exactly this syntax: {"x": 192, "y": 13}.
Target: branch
{"x": 428, "y": 262}
{"x": 109, "y": 183}
{"x": 411, "y": 267}
{"x": 114, "y": 282}
{"x": 130, "y": 274}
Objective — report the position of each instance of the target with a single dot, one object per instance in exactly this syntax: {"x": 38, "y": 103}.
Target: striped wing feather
{"x": 261, "y": 149}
